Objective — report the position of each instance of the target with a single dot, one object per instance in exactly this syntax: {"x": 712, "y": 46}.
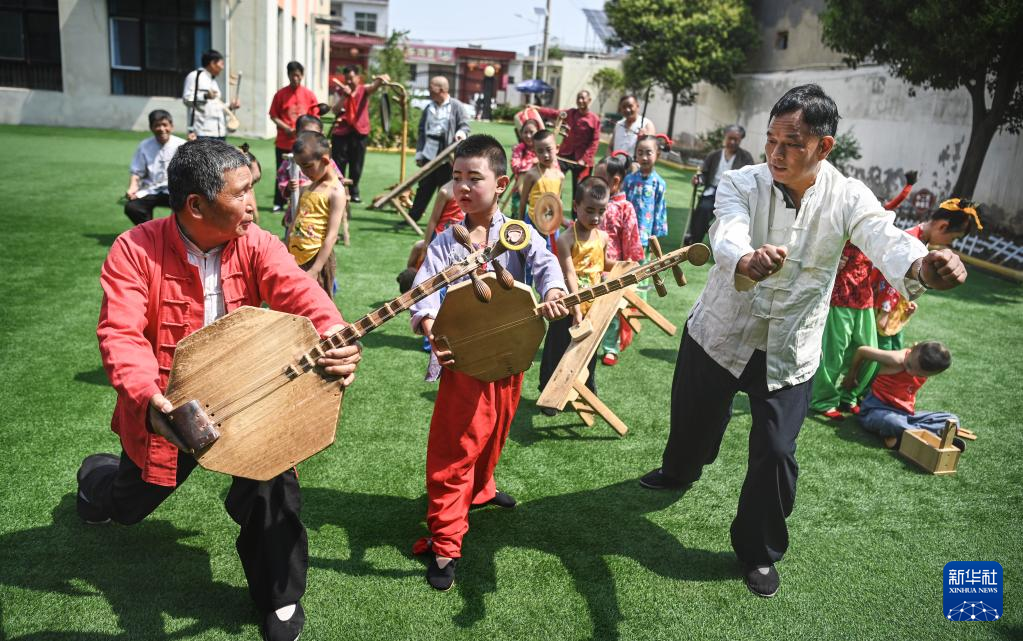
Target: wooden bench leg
{"x": 598, "y": 406}
{"x": 408, "y": 219}
{"x": 649, "y": 312}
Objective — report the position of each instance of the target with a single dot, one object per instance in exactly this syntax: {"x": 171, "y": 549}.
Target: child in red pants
{"x": 471, "y": 418}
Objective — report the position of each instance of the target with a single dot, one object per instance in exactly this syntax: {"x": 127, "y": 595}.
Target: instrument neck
{"x": 597, "y": 291}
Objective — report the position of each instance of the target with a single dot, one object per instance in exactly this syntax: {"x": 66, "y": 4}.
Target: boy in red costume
{"x": 471, "y": 418}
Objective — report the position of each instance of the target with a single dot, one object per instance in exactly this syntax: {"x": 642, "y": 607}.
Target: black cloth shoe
{"x": 87, "y": 511}
{"x": 273, "y": 629}
{"x": 548, "y": 411}
{"x": 658, "y": 480}
{"x": 501, "y": 499}
{"x": 760, "y": 584}
{"x": 356, "y": 199}
{"x": 441, "y": 578}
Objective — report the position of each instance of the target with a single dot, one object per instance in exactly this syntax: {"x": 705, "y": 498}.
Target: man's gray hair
{"x": 198, "y": 168}
{"x": 739, "y": 129}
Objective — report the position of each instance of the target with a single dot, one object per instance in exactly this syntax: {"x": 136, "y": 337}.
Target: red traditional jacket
{"x": 153, "y": 298}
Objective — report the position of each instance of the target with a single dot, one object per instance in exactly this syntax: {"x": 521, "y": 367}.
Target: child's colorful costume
{"x": 588, "y": 260}
{"x": 309, "y": 229}
{"x": 850, "y": 325}
{"x": 646, "y": 193}
{"x": 470, "y": 418}
{"x": 622, "y": 244}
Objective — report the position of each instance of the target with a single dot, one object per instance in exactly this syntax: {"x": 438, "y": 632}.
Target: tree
{"x": 608, "y": 81}
{"x": 390, "y": 59}
{"x": 678, "y": 44}
{"x": 943, "y": 44}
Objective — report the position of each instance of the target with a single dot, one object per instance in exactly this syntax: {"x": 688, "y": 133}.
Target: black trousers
{"x": 141, "y": 209}
{"x": 279, "y": 200}
{"x": 701, "y": 406}
{"x": 349, "y": 152}
{"x": 426, "y": 187}
{"x": 700, "y": 220}
{"x": 554, "y": 345}
{"x": 578, "y": 172}
{"x": 272, "y": 543}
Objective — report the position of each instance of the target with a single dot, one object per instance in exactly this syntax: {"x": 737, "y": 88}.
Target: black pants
{"x": 554, "y": 347}
{"x": 349, "y": 152}
{"x": 272, "y": 544}
{"x": 426, "y": 187}
{"x": 279, "y": 200}
{"x": 700, "y": 220}
{"x": 578, "y": 172}
{"x": 701, "y": 406}
{"x": 141, "y": 209}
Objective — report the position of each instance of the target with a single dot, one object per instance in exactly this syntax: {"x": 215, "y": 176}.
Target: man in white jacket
{"x": 758, "y": 324}
{"x": 204, "y": 100}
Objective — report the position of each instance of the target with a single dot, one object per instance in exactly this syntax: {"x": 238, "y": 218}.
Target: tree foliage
{"x": 390, "y": 59}
{"x": 679, "y": 43}
{"x": 943, "y": 44}
{"x": 609, "y": 81}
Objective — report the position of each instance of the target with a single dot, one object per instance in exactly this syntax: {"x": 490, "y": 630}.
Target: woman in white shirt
{"x": 628, "y": 129}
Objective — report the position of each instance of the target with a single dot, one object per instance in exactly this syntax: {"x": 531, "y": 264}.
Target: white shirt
{"x": 209, "y": 118}
{"x": 625, "y": 136}
{"x": 150, "y": 164}
{"x": 723, "y": 166}
{"x": 209, "y": 272}
{"x": 785, "y": 313}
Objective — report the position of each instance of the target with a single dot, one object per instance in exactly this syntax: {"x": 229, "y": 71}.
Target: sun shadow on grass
{"x": 574, "y": 528}
{"x": 145, "y": 573}
{"x": 106, "y": 240}
{"x": 661, "y": 354}
{"x": 96, "y": 376}
{"x": 530, "y": 426}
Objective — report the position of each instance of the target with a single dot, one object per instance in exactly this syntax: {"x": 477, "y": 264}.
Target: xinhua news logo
{"x": 973, "y": 591}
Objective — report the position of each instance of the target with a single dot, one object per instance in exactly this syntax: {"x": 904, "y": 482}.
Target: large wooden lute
{"x": 494, "y": 339}
{"x": 249, "y": 399}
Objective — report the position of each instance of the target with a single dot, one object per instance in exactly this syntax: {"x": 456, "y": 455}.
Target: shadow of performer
{"x": 145, "y": 573}
{"x": 579, "y": 528}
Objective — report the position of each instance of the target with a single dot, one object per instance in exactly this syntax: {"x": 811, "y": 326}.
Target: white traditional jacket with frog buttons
{"x": 785, "y": 313}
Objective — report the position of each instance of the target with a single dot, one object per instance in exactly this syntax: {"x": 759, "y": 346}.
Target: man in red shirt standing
{"x": 163, "y": 280}
{"x": 582, "y": 140}
{"x": 351, "y": 130}
{"x": 287, "y": 105}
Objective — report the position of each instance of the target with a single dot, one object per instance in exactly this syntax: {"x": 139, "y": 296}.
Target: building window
{"x": 30, "y": 45}
{"x": 154, "y": 44}
{"x": 781, "y": 40}
{"x": 365, "y": 22}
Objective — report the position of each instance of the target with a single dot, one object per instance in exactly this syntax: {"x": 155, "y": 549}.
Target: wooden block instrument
{"x": 490, "y": 343}
{"x": 249, "y": 399}
{"x": 934, "y": 453}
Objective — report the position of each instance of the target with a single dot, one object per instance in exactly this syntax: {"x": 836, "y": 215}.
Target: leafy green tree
{"x": 609, "y": 81}
{"x": 943, "y": 44}
{"x": 390, "y": 59}
{"x": 679, "y": 43}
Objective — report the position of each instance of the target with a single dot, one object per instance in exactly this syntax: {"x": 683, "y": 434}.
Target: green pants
{"x": 845, "y": 330}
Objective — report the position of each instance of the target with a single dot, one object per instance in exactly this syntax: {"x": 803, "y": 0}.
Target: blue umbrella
{"x": 534, "y": 85}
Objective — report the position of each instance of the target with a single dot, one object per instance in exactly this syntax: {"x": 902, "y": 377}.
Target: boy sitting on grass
{"x": 889, "y": 408}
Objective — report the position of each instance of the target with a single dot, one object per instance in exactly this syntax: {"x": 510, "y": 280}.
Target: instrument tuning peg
{"x": 480, "y": 289}
{"x": 680, "y": 278}
{"x": 662, "y": 291}
{"x": 504, "y": 277}
{"x": 461, "y": 235}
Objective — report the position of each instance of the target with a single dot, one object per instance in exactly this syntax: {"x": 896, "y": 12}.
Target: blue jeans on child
{"x": 881, "y": 418}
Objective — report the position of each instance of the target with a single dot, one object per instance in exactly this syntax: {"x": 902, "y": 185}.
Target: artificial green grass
{"x": 586, "y": 554}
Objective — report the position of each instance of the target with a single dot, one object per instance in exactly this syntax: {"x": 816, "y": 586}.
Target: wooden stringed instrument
{"x": 249, "y": 399}
{"x": 499, "y": 338}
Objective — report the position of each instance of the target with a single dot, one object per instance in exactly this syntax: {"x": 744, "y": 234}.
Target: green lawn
{"x": 586, "y": 554}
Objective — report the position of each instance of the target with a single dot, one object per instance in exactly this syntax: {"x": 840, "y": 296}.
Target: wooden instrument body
{"x": 237, "y": 368}
{"x": 480, "y": 352}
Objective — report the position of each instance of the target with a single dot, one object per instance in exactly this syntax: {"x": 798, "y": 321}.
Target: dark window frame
{"x": 148, "y": 78}
{"x": 25, "y": 72}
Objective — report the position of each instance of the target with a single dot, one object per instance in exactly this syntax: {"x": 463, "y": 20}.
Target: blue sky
{"x": 456, "y": 23}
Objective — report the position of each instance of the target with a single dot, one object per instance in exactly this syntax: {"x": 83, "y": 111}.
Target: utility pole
{"x": 546, "y": 34}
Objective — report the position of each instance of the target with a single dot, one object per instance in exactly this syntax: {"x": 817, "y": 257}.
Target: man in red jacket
{"x": 581, "y": 141}
{"x": 161, "y": 281}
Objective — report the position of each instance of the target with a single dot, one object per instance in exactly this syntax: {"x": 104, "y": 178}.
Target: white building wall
{"x": 349, "y": 9}
{"x": 249, "y": 43}
{"x": 896, "y": 131}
